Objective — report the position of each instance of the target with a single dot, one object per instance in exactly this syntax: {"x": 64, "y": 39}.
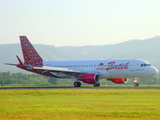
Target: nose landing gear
{"x": 136, "y": 83}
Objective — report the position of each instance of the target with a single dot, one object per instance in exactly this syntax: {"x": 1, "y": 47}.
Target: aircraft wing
{"x": 60, "y": 72}
{"x": 55, "y": 71}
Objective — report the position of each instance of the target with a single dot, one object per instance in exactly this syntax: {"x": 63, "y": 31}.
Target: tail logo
{"x": 35, "y": 57}
{"x": 26, "y": 45}
{"x": 22, "y": 38}
{"x": 31, "y": 57}
{"x": 30, "y": 51}
{"x": 25, "y": 57}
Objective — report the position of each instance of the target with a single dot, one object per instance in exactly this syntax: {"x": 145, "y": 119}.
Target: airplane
{"x": 88, "y": 71}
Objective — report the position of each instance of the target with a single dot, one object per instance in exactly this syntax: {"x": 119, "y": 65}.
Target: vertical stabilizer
{"x": 31, "y": 57}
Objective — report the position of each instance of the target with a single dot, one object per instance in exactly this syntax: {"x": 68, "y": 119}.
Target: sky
{"x": 78, "y": 22}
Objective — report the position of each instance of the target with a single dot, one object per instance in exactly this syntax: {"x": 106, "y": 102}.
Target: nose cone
{"x": 154, "y": 71}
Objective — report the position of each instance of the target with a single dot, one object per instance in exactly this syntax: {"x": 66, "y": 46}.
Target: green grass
{"x": 71, "y": 85}
{"x": 80, "y": 104}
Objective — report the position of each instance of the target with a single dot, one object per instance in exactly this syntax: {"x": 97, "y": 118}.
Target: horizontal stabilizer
{"x": 18, "y": 65}
{"x": 10, "y": 64}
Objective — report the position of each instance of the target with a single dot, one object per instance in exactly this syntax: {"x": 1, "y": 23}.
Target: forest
{"x": 23, "y": 79}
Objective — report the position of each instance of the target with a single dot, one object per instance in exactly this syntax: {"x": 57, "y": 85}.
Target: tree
{"x": 151, "y": 81}
{"x": 1, "y": 81}
{"x": 53, "y": 80}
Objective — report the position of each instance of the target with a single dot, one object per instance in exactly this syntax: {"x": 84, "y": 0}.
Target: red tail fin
{"x": 31, "y": 57}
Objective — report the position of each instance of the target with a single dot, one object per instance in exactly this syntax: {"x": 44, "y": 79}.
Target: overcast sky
{"x": 78, "y": 22}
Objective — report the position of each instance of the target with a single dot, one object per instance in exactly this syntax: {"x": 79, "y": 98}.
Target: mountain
{"x": 147, "y": 49}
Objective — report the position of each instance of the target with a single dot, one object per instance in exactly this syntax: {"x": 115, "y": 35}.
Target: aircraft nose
{"x": 154, "y": 71}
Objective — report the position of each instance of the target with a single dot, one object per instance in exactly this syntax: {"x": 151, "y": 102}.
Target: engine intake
{"x": 90, "y": 78}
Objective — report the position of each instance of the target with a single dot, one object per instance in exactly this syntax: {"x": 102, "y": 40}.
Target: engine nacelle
{"x": 119, "y": 80}
{"x": 90, "y": 78}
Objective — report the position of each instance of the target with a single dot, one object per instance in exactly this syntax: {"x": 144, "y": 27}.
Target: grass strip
{"x": 78, "y": 104}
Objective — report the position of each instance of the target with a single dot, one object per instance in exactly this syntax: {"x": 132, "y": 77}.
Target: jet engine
{"x": 90, "y": 78}
{"x": 119, "y": 80}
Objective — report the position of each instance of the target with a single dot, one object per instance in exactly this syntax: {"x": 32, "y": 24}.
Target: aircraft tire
{"x": 77, "y": 84}
{"x": 96, "y": 84}
{"x": 136, "y": 84}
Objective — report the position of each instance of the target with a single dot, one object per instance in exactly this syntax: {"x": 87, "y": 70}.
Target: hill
{"x": 147, "y": 49}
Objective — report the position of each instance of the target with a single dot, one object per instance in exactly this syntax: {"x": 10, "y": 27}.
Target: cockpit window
{"x": 144, "y": 65}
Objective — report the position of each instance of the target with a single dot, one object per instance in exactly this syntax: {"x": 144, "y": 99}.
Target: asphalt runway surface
{"x": 148, "y": 87}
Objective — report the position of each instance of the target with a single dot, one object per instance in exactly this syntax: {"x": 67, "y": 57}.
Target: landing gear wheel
{"x": 136, "y": 84}
{"x": 77, "y": 84}
{"x": 96, "y": 84}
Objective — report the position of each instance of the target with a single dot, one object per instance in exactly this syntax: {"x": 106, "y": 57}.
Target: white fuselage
{"x": 120, "y": 68}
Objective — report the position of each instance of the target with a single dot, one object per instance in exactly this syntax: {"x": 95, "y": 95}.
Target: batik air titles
{"x": 87, "y": 71}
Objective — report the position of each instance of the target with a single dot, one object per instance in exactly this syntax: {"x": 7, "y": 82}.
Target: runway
{"x": 148, "y": 87}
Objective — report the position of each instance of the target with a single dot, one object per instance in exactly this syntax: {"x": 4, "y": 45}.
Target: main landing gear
{"x": 77, "y": 84}
{"x": 96, "y": 84}
{"x": 136, "y": 83}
